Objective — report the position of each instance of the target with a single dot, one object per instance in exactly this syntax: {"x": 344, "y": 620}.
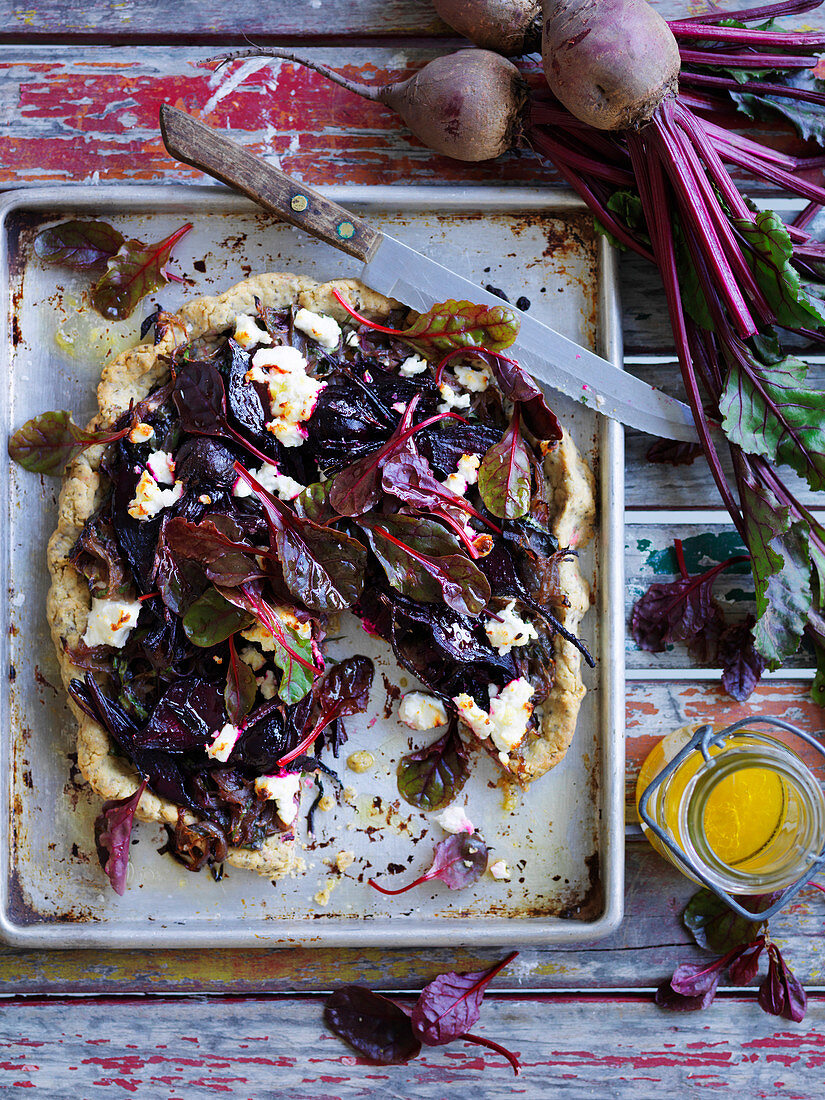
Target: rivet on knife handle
{"x": 194, "y": 143}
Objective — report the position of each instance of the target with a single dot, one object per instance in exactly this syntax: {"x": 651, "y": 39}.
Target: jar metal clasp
{"x": 702, "y": 741}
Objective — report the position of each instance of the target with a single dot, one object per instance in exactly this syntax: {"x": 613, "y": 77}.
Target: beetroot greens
{"x": 459, "y": 861}
{"x": 113, "y": 834}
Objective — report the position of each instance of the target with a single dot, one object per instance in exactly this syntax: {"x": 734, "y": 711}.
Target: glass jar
{"x": 746, "y": 811}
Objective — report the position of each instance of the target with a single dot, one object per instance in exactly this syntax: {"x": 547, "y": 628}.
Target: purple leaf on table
{"x": 373, "y": 1025}
{"x": 451, "y": 1004}
{"x": 113, "y": 832}
{"x": 48, "y": 442}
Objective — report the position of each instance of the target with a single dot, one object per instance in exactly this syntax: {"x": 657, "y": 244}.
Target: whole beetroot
{"x": 610, "y": 62}
{"x": 467, "y": 105}
{"x": 511, "y": 27}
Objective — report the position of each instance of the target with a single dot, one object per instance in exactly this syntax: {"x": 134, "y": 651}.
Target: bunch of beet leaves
{"x": 375, "y": 530}
{"x": 638, "y": 117}
{"x": 685, "y": 610}
{"x": 715, "y": 927}
{"x": 385, "y": 1034}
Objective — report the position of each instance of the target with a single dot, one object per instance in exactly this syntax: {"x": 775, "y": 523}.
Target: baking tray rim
{"x": 534, "y": 931}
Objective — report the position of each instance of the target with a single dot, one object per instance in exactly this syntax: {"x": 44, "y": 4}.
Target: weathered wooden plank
{"x": 137, "y": 20}
{"x": 570, "y": 1046}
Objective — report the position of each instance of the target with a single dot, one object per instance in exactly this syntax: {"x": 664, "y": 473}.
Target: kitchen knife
{"x": 398, "y": 271}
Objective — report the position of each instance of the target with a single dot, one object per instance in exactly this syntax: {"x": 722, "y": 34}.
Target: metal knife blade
{"x": 398, "y": 271}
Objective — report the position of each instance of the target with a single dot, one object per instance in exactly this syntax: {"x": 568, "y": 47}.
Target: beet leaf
{"x": 187, "y": 716}
{"x": 451, "y": 1004}
{"x": 504, "y": 477}
{"x": 221, "y": 555}
{"x": 409, "y": 477}
{"x": 79, "y": 245}
{"x": 292, "y": 653}
{"x": 742, "y": 666}
{"x": 135, "y": 270}
{"x": 781, "y": 993}
{"x": 322, "y": 567}
{"x": 48, "y": 442}
{"x": 200, "y": 398}
{"x": 343, "y": 691}
{"x": 420, "y": 559}
{"x": 432, "y": 777}
{"x": 769, "y": 249}
{"x": 113, "y": 833}
{"x": 453, "y": 324}
{"x": 241, "y": 687}
{"x": 459, "y": 861}
{"x": 376, "y": 1027}
{"x": 212, "y": 619}
{"x": 767, "y": 101}
{"x": 718, "y": 928}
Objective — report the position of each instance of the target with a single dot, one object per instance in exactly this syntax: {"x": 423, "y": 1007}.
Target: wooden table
{"x": 80, "y": 85}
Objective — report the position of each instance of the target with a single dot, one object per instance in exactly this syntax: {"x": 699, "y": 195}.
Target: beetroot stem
{"x": 497, "y": 1047}
{"x": 655, "y": 199}
{"x": 366, "y": 91}
{"x": 745, "y": 60}
{"x": 402, "y": 889}
{"x": 680, "y": 558}
{"x": 706, "y": 80}
{"x": 730, "y": 151}
{"x": 747, "y": 36}
{"x": 754, "y": 15}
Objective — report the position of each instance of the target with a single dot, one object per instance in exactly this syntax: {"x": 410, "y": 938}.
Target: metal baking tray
{"x": 564, "y": 842}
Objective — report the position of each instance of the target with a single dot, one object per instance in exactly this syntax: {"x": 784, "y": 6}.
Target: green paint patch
{"x": 701, "y": 552}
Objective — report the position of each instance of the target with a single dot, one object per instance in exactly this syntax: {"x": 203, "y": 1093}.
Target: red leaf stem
{"x": 745, "y": 60}
{"x": 746, "y": 36}
{"x": 363, "y": 320}
{"x": 680, "y": 558}
{"x": 754, "y": 15}
{"x": 753, "y": 87}
{"x": 402, "y": 890}
{"x": 497, "y": 1047}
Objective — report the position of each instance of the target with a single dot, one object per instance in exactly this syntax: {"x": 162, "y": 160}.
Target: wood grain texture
{"x": 268, "y": 1047}
{"x": 131, "y": 20}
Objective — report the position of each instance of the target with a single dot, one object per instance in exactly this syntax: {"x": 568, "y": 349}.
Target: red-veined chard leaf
{"x": 200, "y": 398}
{"x": 504, "y": 476}
{"x": 322, "y": 567}
{"x": 430, "y": 778}
{"x": 221, "y": 555}
{"x": 343, "y": 691}
{"x": 769, "y": 410}
{"x": 134, "y": 271}
{"x": 113, "y": 832}
{"x": 458, "y": 861}
{"x": 292, "y": 654}
{"x": 241, "y": 687}
{"x": 453, "y": 324}
{"x": 378, "y": 1029}
{"x": 451, "y": 1003}
{"x": 420, "y": 559}
{"x": 79, "y": 245}
{"x": 745, "y": 966}
{"x": 211, "y": 619}
{"x": 769, "y": 247}
{"x": 48, "y": 442}
{"x": 781, "y": 570}
{"x": 409, "y": 476}
{"x": 313, "y": 503}
{"x": 716, "y": 927}
{"x": 781, "y": 993}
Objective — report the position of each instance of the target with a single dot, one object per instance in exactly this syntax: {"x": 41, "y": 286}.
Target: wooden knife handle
{"x": 193, "y": 142}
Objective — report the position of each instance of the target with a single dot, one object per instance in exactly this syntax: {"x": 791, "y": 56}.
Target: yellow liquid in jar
{"x": 743, "y": 811}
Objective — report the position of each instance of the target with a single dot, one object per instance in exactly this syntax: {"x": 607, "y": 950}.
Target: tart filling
{"x": 287, "y": 463}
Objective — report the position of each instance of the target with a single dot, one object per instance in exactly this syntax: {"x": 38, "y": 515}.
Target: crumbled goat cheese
{"x": 413, "y": 364}
{"x": 259, "y": 633}
{"x": 268, "y": 476}
{"x": 292, "y": 393}
{"x": 110, "y": 622}
{"x": 453, "y": 819}
{"x": 500, "y": 870}
{"x": 465, "y": 475}
{"x": 221, "y": 748}
{"x": 284, "y": 789}
{"x": 248, "y": 332}
{"x": 267, "y": 684}
{"x": 450, "y": 399}
{"x": 474, "y": 380}
{"x": 149, "y": 498}
{"x": 510, "y": 711}
{"x": 324, "y": 330}
{"x": 161, "y": 466}
{"x": 252, "y": 657}
{"x": 421, "y": 712}
{"x": 352, "y": 339}
{"x": 509, "y": 630}
{"x": 141, "y": 432}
